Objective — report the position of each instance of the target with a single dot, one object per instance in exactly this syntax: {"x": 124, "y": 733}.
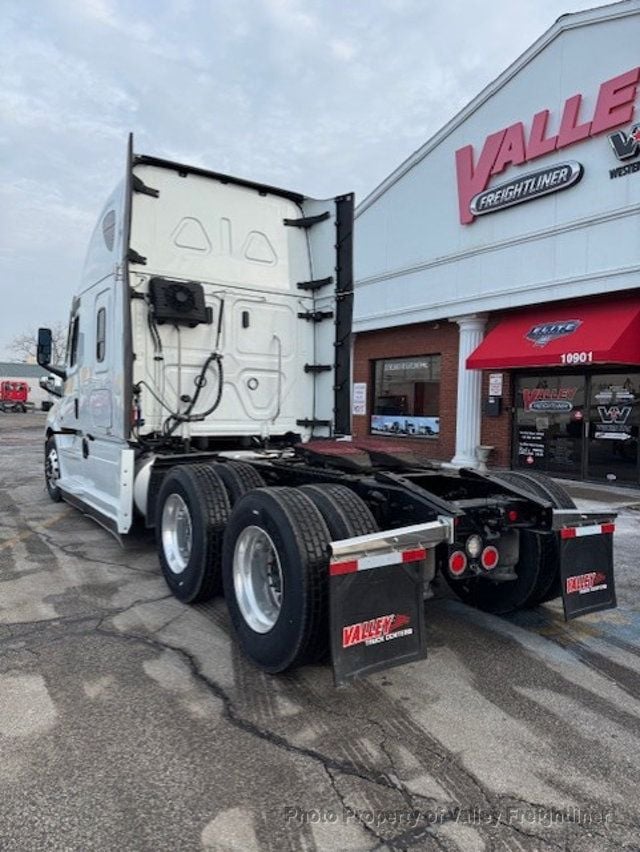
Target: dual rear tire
{"x": 218, "y": 528}
{"x": 193, "y": 508}
{"x": 192, "y": 511}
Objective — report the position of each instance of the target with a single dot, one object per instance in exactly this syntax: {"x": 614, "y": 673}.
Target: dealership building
{"x": 498, "y": 268}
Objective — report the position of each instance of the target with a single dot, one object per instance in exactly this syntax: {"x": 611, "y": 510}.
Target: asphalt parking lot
{"x": 130, "y": 721}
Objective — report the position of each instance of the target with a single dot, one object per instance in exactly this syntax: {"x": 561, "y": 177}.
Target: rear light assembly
{"x": 457, "y": 563}
{"x": 489, "y": 558}
{"x": 513, "y": 515}
{"x": 473, "y": 546}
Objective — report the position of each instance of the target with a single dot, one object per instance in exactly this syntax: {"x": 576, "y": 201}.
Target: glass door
{"x": 614, "y": 417}
{"x": 549, "y": 423}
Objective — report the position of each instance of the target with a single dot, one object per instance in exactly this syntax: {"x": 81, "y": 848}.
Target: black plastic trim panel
{"x": 344, "y": 313}
{"x": 145, "y": 160}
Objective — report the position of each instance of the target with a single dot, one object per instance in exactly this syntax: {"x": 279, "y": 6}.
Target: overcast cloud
{"x": 320, "y": 96}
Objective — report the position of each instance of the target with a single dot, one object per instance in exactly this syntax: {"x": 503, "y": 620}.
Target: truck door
{"x": 90, "y": 453}
{"x": 100, "y": 448}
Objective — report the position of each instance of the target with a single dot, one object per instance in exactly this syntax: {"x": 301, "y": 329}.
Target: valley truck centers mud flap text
{"x": 376, "y": 598}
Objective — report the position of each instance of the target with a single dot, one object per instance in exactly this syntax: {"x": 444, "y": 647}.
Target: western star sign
{"x": 512, "y": 146}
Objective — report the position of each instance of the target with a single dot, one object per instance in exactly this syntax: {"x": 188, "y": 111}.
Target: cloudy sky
{"x": 320, "y": 96}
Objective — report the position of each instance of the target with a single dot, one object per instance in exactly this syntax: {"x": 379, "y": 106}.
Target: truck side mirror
{"x": 44, "y": 352}
{"x": 45, "y": 347}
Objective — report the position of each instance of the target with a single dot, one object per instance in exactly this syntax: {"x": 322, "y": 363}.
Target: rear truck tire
{"x": 345, "y": 513}
{"x": 191, "y": 514}
{"x": 238, "y": 478}
{"x": 540, "y": 486}
{"x": 52, "y": 469}
{"x": 543, "y": 486}
{"x": 275, "y": 575}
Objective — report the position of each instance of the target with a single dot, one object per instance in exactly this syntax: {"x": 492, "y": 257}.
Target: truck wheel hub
{"x": 52, "y": 468}
{"x": 177, "y": 533}
{"x": 257, "y": 579}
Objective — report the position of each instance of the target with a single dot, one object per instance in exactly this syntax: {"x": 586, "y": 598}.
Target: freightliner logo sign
{"x": 526, "y": 187}
{"x": 516, "y": 145}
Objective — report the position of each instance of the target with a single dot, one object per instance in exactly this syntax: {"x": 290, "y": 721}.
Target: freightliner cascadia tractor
{"x": 206, "y": 395}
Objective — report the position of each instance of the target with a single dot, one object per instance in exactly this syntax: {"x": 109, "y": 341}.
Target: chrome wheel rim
{"x": 177, "y": 533}
{"x": 257, "y": 579}
{"x": 52, "y": 468}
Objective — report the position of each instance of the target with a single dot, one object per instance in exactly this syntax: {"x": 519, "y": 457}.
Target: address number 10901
{"x": 576, "y": 357}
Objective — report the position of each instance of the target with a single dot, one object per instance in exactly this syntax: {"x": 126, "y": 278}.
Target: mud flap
{"x": 586, "y": 569}
{"x": 376, "y": 605}
{"x": 377, "y": 620}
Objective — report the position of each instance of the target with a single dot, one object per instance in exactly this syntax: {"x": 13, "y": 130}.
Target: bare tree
{"x": 24, "y": 346}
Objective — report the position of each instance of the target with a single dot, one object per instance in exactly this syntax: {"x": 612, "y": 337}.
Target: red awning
{"x": 564, "y": 334}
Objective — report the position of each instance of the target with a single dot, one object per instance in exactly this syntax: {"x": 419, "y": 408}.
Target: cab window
{"x": 74, "y": 334}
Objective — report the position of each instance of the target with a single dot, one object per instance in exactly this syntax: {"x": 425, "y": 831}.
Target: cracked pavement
{"x": 130, "y": 721}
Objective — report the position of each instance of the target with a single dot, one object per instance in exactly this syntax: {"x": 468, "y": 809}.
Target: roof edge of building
{"x": 568, "y": 21}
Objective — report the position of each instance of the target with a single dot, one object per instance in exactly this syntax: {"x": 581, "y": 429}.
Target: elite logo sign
{"x": 543, "y": 333}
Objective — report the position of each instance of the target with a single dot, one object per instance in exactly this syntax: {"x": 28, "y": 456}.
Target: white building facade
{"x": 498, "y": 268}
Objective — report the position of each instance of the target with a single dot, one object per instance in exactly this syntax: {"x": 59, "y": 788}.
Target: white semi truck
{"x": 207, "y": 395}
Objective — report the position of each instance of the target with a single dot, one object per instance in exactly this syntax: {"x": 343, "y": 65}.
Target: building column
{"x": 469, "y": 404}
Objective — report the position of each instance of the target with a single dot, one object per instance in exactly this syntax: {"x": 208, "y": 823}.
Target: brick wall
{"x": 433, "y": 338}
{"x": 440, "y": 338}
{"x": 496, "y": 431}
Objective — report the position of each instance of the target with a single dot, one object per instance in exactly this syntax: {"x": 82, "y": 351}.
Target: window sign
{"x": 359, "y": 403}
{"x": 549, "y": 411}
{"x": 407, "y": 397}
{"x": 495, "y": 384}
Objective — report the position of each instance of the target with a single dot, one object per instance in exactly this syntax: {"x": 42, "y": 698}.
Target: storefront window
{"x": 581, "y": 426}
{"x": 549, "y": 423}
{"x": 406, "y": 397}
{"x": 614, "y": 417}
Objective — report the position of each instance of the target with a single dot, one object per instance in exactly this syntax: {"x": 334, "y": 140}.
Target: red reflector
{"x": 336, "y": 568}
{"x": 490, "y": 557}
{"x": 512, "y": 515}
{"x": 608, "y": 528}
{"x": 414, "y": 555}
{"x": 569, "y": 532}
{"x": 458, "y": 563}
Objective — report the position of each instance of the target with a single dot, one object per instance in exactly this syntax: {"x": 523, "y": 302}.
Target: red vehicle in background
{"x": 13, "y": 396}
